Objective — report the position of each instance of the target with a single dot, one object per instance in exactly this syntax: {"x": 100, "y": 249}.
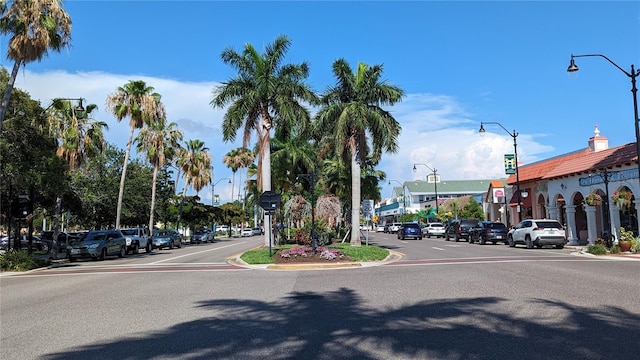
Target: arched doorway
{"x": 580, "y": 218}
{"x": 625, "y": 200}
{"x": 541, "y": 210}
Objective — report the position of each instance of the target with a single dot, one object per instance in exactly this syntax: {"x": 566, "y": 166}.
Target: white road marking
{"x": 437, "y": 248}
{"x": 195, "y": 253}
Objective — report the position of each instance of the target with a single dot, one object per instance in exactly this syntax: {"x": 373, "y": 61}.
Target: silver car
{"x": 97, "y": 245}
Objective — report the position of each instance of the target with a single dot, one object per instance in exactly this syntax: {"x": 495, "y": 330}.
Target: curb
{"x": 393, "y": 256}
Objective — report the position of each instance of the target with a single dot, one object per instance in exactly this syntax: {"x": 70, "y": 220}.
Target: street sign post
{"x": 269, "y": 201}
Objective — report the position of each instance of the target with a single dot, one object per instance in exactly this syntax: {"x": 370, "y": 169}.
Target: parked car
{"x": 257, "y": 231}
{"x": 538, "y": 232}
{"x": 199, "y": 236}
{"x": 434, "y": 229}
{"x": 380, "y": 228}
{"x": 488, "y": 231}
{"x": 394, "y": 227}
{"x": 98, "y": 244}
{"x": 137, "y": 238}
{"x": 166, "y": 238}
{"x": 409, "y": 230}
{"x": 459, "y": 229}
{"x": 246, "y": 232}
{"x": 37, "y": 244}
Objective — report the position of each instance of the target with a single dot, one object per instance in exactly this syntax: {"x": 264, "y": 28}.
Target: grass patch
{"x": 258, "y": 256}
{"x": 362, "y": 253}
{"x": 356, "y": 253}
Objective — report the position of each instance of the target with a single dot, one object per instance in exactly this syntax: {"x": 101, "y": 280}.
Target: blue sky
{"x": 458, "y": 62}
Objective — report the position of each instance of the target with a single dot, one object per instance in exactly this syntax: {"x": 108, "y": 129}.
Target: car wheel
{"x": 148, "y": 248}
{"x": 471, "y": 241}
{"x": 180, "y": 245}
{"x": 494, "y": 242}
{"x": 528, "y": 242}
{"x": 123, "y": 252}
{"x": 481, "y": 241}
{"x": 511, "y": 242}
{"x": 72, "y": 259}
{"x": 560, "y": 246}
{"x": 420, "y": 238}
{"x": 457, "y": 238}
{"x": 103, "y": 254}
{"x": 136, "y": 249}
{"x": 446, "y": 237}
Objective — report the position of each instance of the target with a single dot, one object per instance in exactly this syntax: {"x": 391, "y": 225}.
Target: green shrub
{"x": 20, "y": 261}
{"x": 597, "y": 249}
{"x": 615, "y": 249}
{"x": 635, "y": 244}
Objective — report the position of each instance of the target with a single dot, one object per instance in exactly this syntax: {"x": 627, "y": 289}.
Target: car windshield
{"x": 161, "y": 233}
{"x": 436, "y": 225}
{"x": 126, "y": 232}
{"x": 94, "y": 236}
{"x": 548, "y": 224}
{"x": 497, "y": 226}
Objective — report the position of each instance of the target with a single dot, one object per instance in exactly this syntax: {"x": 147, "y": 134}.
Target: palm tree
{"x": 195, "y": 163}
{"x": 159, "y": 141}
{"x": 352, "y": 109}
{"x": 266, "y": 94}
{"x": 79, "y": 135}
{"x": 137, "y": 101}
{"x": 243, "y": 160}
{"x": 229, "y": 160}
{"x": 34, "y": 27}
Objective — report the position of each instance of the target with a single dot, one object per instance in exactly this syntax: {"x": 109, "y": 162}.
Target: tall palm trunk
{"x": 124, "y": 175}
{"x": 355, "y": 198}
{"x": 8, "y": 90}
{"x": 153, "y": 197}
{"x": 266, "y": 181}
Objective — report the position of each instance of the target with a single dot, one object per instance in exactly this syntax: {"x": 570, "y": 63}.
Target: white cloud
{"x": 436, "y": 129}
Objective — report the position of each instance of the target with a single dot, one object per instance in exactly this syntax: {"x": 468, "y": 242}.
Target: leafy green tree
{"x": 352, "y": 110}
{"x": 34, "y": 28}
{"x": 139, "y": 103}
{"x": 472, "y": 210}
{"x": 96, "y": 184}
{"x": 159, "y": 142}
{"x": 266, "y": 94}
{"x": 28, "y": 157}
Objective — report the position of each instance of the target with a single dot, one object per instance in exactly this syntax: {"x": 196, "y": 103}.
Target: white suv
{"x": 538, "y": 232}
{"x": 137, "y": 238}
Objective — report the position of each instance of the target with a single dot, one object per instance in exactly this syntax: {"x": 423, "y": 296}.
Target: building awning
{"x": 526, "y": 201}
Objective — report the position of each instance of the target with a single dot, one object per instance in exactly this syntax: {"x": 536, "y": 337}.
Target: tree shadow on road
{"x": 338, "y": 325}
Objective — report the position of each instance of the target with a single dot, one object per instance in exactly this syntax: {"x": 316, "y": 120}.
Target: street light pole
{"x": 435, "y": 182}
{"x": 634, "y": 91}
{"x": 404, "y": 196}
{"x": 514, "y": 135}
{"x": 312, "y": 178}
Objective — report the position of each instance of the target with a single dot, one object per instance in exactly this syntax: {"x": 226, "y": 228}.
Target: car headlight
{"x": 128, "y": 239}
{"x": 93, "y": 246}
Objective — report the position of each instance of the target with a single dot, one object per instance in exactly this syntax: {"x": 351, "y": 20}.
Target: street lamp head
{"x": 482, "y": 130}
{"x": 572, "y": 66}
{"x": 80, "y": 108}
{"x": 414, "y": 168}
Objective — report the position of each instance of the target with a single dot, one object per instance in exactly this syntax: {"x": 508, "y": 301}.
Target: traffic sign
{"x": 269, "y": 201}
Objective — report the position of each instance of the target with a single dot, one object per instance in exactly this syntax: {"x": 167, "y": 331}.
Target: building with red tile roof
{"x": 558, "y": 188}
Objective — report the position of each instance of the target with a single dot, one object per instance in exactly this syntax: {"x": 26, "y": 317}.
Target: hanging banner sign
{"x": 509, "y": 164}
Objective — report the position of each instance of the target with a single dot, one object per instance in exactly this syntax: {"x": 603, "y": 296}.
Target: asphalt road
{"x": 442, "y": 300}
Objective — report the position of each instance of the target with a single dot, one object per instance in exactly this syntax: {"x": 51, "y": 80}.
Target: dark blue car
{"x": 410, "y": 230}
